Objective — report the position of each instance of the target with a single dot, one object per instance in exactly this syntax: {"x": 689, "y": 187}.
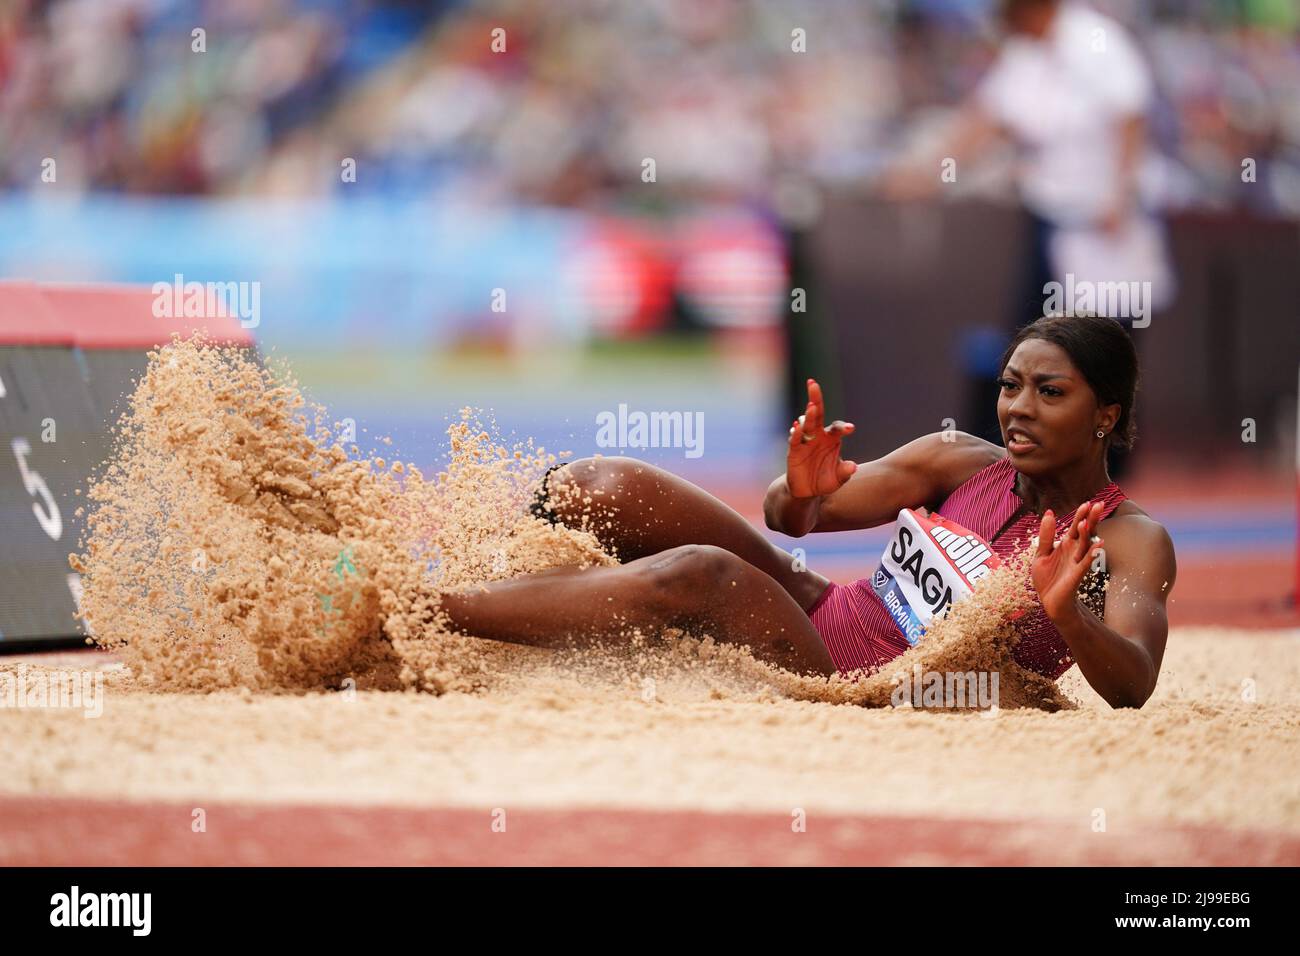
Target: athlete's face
{"x": 1048, "y": 412}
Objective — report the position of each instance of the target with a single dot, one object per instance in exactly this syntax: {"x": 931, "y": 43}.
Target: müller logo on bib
{"x": 930, "y": 562}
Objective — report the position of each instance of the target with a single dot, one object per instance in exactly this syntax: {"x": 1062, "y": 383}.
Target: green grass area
{"x": 668, "y": 360}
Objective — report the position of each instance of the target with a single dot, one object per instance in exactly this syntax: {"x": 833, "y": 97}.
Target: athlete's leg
{"x": 696, "y": 587}
{"x": 637, "y": 510}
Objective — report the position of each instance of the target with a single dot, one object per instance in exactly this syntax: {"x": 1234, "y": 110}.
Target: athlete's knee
{"x": 690, "y": 577}
{"x": 601, "y": 473}
{"x": 594, "y": 482}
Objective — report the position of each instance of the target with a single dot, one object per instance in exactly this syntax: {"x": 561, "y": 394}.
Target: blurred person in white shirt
{"x": 1071, "y": 90}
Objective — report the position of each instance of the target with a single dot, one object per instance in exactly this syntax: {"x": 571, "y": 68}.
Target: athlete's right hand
{"x": 813, "y": 466}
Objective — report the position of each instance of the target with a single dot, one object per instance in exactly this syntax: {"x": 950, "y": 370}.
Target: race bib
{"x": 930, "y": 562}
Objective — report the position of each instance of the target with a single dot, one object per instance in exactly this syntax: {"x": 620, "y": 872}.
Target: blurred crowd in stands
{"x": 584, "y": 90}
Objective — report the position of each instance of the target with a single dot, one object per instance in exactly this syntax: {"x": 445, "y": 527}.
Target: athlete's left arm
{"x": 1121, "y": 656}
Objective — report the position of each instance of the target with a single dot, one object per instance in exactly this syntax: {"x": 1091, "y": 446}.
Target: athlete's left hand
{"x": 1058, "y": 567}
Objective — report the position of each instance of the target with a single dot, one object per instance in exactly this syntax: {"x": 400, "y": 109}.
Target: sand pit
{"x": 1199, "y": 752}
{"x": 269, "y": 602}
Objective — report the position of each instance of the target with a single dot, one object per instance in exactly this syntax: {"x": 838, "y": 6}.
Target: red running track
{"x": 74, "y": 832}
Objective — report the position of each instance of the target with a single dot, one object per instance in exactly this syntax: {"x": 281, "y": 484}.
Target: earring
{"x": 1100, "y": 433}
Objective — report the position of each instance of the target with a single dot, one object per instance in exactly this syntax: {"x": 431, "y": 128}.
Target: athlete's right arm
{"x": 827, "y": 494}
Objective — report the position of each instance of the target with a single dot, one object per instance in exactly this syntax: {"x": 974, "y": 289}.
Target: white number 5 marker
{"x": 50, "y": 520}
